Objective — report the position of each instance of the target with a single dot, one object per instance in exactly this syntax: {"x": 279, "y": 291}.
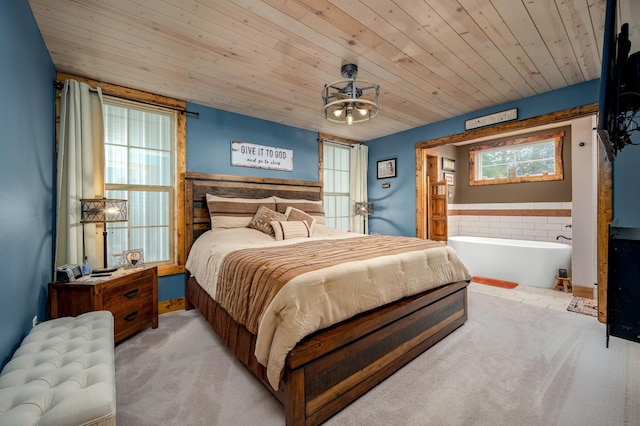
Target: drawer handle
{"x": 131, "y": 316}
{"x": 131, "y": 293}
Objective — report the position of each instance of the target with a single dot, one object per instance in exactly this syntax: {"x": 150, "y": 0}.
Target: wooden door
{"x": 437, "y": 204}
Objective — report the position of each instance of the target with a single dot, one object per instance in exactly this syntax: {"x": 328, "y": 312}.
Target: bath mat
{"x": 494, "y": 282}
{"x": 583, "y": 306}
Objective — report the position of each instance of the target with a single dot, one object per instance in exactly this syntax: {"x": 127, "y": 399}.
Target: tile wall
{"x": 521, "y": 221}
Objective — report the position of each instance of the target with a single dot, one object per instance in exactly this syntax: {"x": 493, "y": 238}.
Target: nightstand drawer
{"x": 132, "y": 318}
{"x": 128, "y": 292}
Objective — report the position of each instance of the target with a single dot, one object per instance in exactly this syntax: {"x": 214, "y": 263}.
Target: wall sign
{"x": 488, "y": 120}
{"x": 259, "y": 156}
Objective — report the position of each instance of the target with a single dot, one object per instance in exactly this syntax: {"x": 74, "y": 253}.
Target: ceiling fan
{"x": 350, "y": 100}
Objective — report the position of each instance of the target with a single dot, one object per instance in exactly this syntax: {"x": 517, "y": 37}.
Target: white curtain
{"x": 80, "y": 172}
{"x": 358, "y": 185}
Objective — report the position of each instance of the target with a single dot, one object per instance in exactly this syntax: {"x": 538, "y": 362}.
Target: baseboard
{"x": 580, "y": 291}
{"x": 170, "y": 305}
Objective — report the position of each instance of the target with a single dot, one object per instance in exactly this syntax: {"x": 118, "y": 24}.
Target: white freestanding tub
{"x": 532, "y": 263}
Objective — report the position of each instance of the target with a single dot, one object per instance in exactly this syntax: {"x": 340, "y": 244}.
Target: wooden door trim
{"x": 540, "y": 120}
{"x": 605, "y": 215}
{"x": 604, "y": 176}
{"x": 422, "y": 189}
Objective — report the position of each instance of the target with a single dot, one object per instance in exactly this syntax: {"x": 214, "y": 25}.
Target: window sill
{"x": 164, "y": 270}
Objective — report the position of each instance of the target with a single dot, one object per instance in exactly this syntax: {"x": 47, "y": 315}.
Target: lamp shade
{"x": 363, "y": 208}
{"x": 101, "y": 210}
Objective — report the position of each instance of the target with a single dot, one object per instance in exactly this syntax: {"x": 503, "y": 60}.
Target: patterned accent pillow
{"x": 227, "y": 212}
{"x": 314, "y": 208}
{"x": 288, "y": 229}
{"x": 263, "y": 218}
{"x": 294, "y": 214}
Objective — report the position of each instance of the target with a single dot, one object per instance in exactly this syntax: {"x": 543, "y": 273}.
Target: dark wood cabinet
{"x": 131, "y": 296}
{"x": 623, "y": 287}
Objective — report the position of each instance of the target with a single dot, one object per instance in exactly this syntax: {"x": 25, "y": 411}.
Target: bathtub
{"x": 531, "y": 263}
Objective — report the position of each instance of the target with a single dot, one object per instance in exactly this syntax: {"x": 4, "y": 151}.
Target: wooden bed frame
{"x": 333, "y": 367}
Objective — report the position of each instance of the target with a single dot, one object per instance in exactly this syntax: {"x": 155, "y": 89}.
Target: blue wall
{"x": 210, "y": 134}
{"x": 27, "y": 115}
{"x": 395, "y": 207}
{"x": 209, "y": 137}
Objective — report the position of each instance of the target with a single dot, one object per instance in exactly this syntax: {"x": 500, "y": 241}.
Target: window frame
{"x": 326, "y": 193}
{"x": 475, "y": 151}
{"x": 169, "y": 189}
{"x": 178, "y": 207}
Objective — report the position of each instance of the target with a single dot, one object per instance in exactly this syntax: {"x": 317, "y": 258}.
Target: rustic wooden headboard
{"x": 197, "y": 185}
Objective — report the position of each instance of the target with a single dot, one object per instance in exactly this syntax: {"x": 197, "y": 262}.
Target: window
{"x": 140, "y": 159}
{"x": 336, "y": 185}
{"x": 531, "y": 159}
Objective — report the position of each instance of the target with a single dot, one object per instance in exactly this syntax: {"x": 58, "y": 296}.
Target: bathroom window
{"x": 530, "y": 159}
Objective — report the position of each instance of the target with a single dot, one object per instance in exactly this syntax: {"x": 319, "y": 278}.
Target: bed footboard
{"x": 333, "y": 367}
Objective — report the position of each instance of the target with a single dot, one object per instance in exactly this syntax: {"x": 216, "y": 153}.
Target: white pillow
{"x": 286, "y": 229}
{"x": 294, "y": 214}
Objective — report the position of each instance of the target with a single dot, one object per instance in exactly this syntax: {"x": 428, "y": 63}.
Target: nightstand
{"x": 130, "y": 294}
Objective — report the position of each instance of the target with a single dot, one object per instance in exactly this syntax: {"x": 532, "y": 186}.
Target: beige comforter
{"x": 307, "y": 298}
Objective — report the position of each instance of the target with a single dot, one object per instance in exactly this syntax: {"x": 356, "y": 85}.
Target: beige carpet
{"x": 510, "y": 364}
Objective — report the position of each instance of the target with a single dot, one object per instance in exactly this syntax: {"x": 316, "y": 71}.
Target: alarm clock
{"x": 69, "y": 272}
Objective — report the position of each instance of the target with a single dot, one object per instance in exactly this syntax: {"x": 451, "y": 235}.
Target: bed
{"x": 326, "y": 369}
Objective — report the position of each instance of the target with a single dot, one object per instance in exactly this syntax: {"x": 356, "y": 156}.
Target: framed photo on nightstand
{"x": 133, "y": 258}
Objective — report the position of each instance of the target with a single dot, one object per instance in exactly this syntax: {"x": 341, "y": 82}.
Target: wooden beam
{"x": 554, "y": 117}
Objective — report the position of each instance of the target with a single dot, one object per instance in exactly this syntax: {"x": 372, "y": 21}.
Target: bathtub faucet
{"x": 562, "y": 236}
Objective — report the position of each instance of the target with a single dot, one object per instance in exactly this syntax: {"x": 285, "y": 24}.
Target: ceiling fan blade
{"x": 363, "y": 105}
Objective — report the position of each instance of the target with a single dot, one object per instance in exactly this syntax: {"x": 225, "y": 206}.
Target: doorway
{"x": 603, "y": 172}
{"x": 431, "y": 197}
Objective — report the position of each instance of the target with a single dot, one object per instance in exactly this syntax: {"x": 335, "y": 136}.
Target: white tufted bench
{"x": 63, "y": 373}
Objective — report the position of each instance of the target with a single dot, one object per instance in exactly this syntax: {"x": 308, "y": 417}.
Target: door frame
{"x": 604, "y": 178}
{"x": 426, "y": 159}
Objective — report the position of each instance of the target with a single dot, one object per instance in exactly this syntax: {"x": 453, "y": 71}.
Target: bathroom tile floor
{"x": 542, "y": 297}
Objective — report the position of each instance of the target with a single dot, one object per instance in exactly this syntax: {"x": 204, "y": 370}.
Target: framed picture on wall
{"x": 448, "y": 165}
{"x": 450, "y": 178}
{"x": 387, "y": 168}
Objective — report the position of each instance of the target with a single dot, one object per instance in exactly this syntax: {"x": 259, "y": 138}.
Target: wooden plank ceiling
{"x": 434, "y": 59}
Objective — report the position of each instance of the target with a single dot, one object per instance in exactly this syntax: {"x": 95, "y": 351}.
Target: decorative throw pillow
{"x": 314, "y": 208}
{"x": 285, "y": 230}
{"x": 294, "y": 214}
{"x": 263, "y": 218}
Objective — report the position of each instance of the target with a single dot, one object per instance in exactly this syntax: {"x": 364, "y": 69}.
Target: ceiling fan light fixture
{"x": 349, "y": 117}
{"x": 348, "y": 95}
